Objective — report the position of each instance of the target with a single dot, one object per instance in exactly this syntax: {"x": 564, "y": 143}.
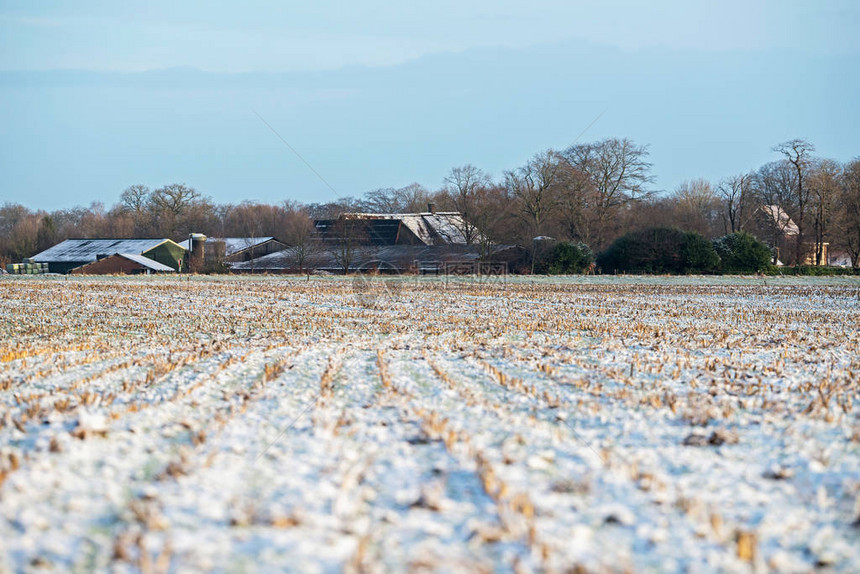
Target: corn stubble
{"x": 569, "y": 425}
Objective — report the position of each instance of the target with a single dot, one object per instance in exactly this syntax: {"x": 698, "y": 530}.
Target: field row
{"x": 161, "y": 425}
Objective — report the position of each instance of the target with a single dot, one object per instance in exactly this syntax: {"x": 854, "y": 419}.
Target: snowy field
{"x": 583, "y": 424}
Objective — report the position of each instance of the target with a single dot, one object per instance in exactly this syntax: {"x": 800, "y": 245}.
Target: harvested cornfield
{"x": 582, "y": 424}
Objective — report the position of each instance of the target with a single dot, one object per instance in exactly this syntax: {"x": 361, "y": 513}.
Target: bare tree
{"x": 798, "y": 153}
{"x": 824, "y": 181}
{"x": 244, "y": 220}
{"x": 462, "y": 185}
{"x": 135, "y": 198}
{"x": 774, "y": 184}
{"x": 135, "y": 201}
{"x": 173, "y": 198}
{"x": 120, "y": 222}
{"x": 848, "y": 219}
{"x": 408, "y": 199}
{"x": 773, "y": 187}
{"x": 22, "y": 231}
{"x": 495, "y": 218}
{"x": 414, "y": 197}
{"x": 619, "y": 172}
{"x": 344, "y": 241}
{"x": 534, "y": 187}
{"x": 382, "y": 200}
{"x": 736, "y": 195}
{"x": 575, "y": 212}
{"x": 299, "y": 235}
{"x": 697, "y": 207}
{"x": 168, "y": 204}
{"x": 334, "y": 209}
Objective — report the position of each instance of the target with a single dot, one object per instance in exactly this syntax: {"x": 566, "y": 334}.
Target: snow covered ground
{"x": 576, "y": 424}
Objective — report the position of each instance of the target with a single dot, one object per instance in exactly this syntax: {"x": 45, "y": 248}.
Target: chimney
{"x": 431, "y": 207}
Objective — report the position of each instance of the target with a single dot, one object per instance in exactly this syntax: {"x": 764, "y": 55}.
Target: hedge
{"x": 660, "y": 250}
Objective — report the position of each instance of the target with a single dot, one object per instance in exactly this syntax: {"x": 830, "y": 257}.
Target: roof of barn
{"x": 147, "y": 262}
{"x": 401, "y": 257}
{"x": 441, "y": 227}
{"x": 74, "y": 250}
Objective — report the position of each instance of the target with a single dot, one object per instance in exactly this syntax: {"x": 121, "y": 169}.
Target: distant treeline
{"x": 589, "y": 194}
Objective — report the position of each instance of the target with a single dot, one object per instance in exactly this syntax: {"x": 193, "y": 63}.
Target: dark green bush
{"x": 698, "y": 255}
{"x": 659, "y": 250}
{"x": 565, "y": 259}
{"x": 742, "y": 253}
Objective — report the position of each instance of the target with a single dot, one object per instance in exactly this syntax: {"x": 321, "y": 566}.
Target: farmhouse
{"x": 782, "y": 233}
{"x": 74, "y": 253}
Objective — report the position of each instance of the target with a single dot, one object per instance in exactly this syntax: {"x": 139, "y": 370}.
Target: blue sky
{"x": 96, "y": 96}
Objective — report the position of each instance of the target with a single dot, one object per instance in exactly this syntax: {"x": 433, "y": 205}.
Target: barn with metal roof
{"x": 382, "y": 229}
{"x": 395, "y": 258}
{"x": 72, "y": 253}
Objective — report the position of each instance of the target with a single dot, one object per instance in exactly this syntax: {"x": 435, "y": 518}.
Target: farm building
{"x": 428, "y": 228}
{"x": 395, "y": 258}
{"x": 122, "y": 264}
{"x": 403, "y": 242}
{"x": 236, "y": 249}
{"x": 73, "y": 253}
{"x": 782, "y": 233}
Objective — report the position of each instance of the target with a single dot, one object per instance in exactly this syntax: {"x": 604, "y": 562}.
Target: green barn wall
{"x": 168, "y": 253}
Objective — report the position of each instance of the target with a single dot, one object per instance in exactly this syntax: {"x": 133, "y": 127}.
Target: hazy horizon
{"x": 101, "y": 97}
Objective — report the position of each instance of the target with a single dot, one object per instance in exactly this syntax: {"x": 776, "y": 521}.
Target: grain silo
{"x": 196, "y": 256}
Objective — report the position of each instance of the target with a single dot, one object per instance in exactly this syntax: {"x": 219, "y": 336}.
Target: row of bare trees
{"x": 171, "y": 211}
{"x": 589, "y": 193}
{"x": 594, "y": 192}
{"x": 814, "y": 201}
